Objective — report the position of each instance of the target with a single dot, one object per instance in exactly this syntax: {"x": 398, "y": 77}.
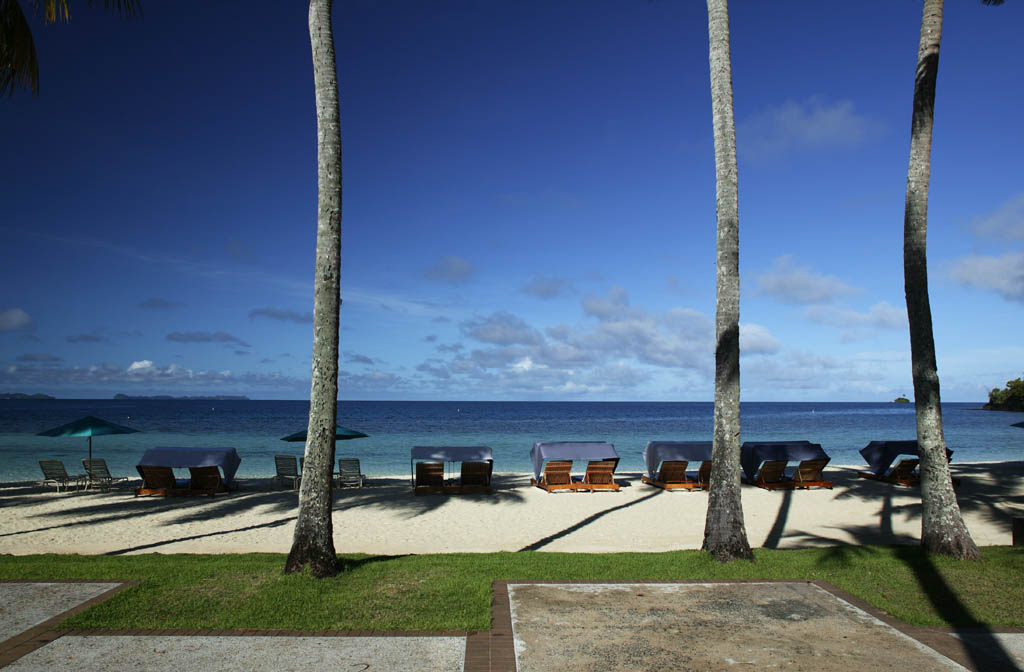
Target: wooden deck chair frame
{"x": 56, "y": 475}
{"x": 157, "y": 481}
{"x": 557, "y": 476}
{"x": 599, "y": 476}
{"x": 772, "y": 475}
{"x": 672, "y": 476}
{"x": 902, "y": 473}
{"x": 98, "y": 475}
{"x": 704, "y": 475}
{"x": 287, "y": 471}
{"x": 429, "y": 478}
{"x": 809, "y": 474}
{"x": 475, "y": 477}
{"x": 205, "y": 481}
{"x": 349, "y": 473}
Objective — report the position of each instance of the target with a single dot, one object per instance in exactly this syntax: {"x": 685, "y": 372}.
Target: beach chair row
{"x": 96, "y": 475}
{"x": 288, "y": 472}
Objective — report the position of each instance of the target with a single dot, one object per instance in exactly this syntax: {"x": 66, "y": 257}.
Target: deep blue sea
{"x": 254, "y": 428}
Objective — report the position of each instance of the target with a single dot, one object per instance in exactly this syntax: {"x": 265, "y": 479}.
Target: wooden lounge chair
{"x": 704, "y": 475}
{"x": 287, "y": 470}
{"x": 205, "y": 481}
{"x": 98, "y": 475}
{"x": 157, "y": 481}
{"x": 772, "y": 476}
{"x": 55, "y": 474}
{"x": 349, "y": 473}
{"x": 557, "y": 476}
{"x": 900, "y": 474}
{"x": 671, "y": 476}
{"x": 808, "y": 475}
{"x": 475, "y": 477}
{"x": 599, "y": 476}
{"x": 429, "y": 478}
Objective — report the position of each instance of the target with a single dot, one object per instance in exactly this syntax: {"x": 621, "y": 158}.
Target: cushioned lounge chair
{"x": 205, "y": 481}
{"x": 287, "y": 470}
{"x": 809, "y": 475}
{"x": 349, "y": 473}
{"x": 902, "y": 473}
{"x": 475, "y": 477}
{"x": 671, "y": 476}
{"x": 599, "y": 476}
{"x": 157, "y": 481}
{"x": 98, "y": 475}
{"x": 55, "y": 474}
{"x": 429, "y": 478}
{"x": 557, "y": 476}
{"x": 704, "y": 475}
{"x": 772, "y": 475}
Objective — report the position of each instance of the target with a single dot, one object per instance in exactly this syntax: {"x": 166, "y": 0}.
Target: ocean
{"x": 254, "y": 428}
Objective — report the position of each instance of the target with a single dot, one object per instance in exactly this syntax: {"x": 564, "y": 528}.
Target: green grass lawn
{"x": 404, "y": 592}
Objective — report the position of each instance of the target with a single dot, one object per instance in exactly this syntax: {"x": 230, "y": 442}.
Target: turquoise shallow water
{"x": 254, "y": 428}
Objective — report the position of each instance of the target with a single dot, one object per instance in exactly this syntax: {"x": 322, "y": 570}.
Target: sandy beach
{"x": 386, "y": 518}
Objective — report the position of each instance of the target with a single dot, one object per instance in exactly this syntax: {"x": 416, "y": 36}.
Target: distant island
{"x": 166, "y": 397}
{"x": 1010, "y": 398}
{"x": 901, "y": 400}
{"x": 19, "y": 395}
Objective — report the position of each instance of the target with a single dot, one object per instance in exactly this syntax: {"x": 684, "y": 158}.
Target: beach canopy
{"x": 753, "y": 453}
{"x": 182, "y": 458}
{"x": 89, "y": 426}
{"x": 340, "y": 434}
{"x": 657, "y": 452}
{"x": 569, "y": 450}
{"x": 881, "y": 454}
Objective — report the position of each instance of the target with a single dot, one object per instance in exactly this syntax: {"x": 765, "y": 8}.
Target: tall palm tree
{"x": 725, "y": 536}
{"x": 18, "y": 62}
{"x": 942, "y": 527}
{"x": 313, "y": 541}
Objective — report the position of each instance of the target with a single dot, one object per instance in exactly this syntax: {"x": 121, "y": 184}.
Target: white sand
{"x": 386, "y": 518}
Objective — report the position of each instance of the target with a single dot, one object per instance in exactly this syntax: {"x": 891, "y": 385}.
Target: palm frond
{"x": 18, "y": 62}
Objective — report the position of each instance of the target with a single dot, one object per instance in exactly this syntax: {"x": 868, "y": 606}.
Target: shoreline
{"x": 386, "y": 518}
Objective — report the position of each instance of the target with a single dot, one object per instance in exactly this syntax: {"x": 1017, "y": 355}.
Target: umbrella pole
{"x": 90, "y": 447}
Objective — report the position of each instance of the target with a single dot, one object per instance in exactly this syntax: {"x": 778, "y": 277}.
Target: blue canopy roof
{"x": 657, "y": 452}
{"x": 881, "y": 454}
{"x": 753, "y": 453}
{"x": 569, "y": 450}
{"x": 180, "y": 458}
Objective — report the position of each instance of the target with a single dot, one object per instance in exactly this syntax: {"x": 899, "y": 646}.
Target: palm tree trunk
{"x": 725, "y": 536}
{"x": 313, "y": 542}
{"x": 942, "y": 527}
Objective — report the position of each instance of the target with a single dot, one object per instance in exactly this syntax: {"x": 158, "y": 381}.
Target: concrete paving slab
{"x": 704, "y": 626}
{"x": 25, "y": 605}
{"x": 1011, "y": 643}
{"x": 248, "y": 654}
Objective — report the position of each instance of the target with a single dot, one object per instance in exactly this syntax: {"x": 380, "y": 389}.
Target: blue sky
{"x": 528, "y": 201}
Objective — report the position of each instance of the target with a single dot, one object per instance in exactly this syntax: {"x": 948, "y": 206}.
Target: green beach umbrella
{"x": 1018, "y": 424}
{"x": 340, "y": 434}
{"x": 89, "y": 426}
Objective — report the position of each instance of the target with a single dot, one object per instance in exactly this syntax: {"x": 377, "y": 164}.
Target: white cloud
{"x": 1005, "y": 223}
{"x": 1003, "y": 274}
{"x": 789, "y": 282}
{"x": 502, "y": 328}
{"x": 882, "y": 315}
{"x": 545, "y": 286}
{"x": 757, "y": 340}
{"x": 811, "y": 124}
{"x": 14, "y": 319}
{"x": 450, "y": 269}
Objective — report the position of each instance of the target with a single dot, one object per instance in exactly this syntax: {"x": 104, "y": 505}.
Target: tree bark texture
{"x": 313, "y": 541}
{"x": 725, "y": 535}
{"x": 942, "y": 527}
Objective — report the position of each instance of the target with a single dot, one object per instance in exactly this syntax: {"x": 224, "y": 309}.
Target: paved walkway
{"x": 535, "y": 626}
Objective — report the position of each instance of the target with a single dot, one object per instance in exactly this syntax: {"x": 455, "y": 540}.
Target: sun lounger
{"x": 599, "y": 476}
{"x": 772, "y": 476}
{"x": 429, "y": 478}
{"x": 672, "y": 476}
{"x": 98, "y": 475}
{"x": 349, "y": 473}
{"x": 55, "y": 474}
{"x": 205, "y": 481}
{"x": 475, "y": 477}
{"x": 809, "y": 475}
{"x": 902, "y": 473}
{"x": 287, "y": 470}
{"x": 157, "y": 481}
{"x": 704, "y": 475}
{"x": 556, "y": 476}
